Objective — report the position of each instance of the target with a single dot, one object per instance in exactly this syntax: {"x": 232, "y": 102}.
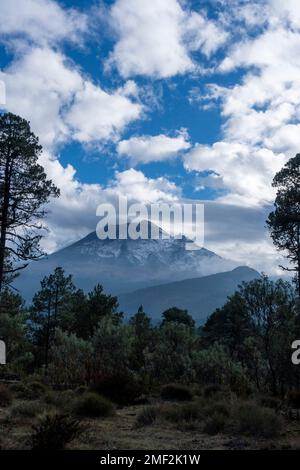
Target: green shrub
{"x": 29, "y": 390}
{"x": 80, "y": 390}
{"x": 211, "y": 390}
{"x": 121, "y": 389}
{"x": 147, "y": 416}
{"x": 17, "y": 388}
{"x": 294, "y": 398}
{"x": 27, "y": 409}
{"x": 54, "y": 431}
{"x": 218, "y": 408}
{"x": 51, "y": 398}
{"x": 176, "y": 392}
{"x": 5, "y": 395}
{"x": 63, "y": 400}
{"x": 270, "y": 402}
{"x": 215, "y": 423}
{"x": 37, "y": 388}
{"x": 182, "y": 413}
{"x": 257, "y": 421}
{"x": 27, "y": 394}
{"x": 197, "y": 391}
{"x": 93, "y": 405}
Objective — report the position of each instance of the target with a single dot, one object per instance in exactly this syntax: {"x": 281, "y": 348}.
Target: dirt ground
{"x": 120, "y": 433}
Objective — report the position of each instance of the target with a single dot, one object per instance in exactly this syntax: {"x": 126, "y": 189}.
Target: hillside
{"x": 200, "y": 296}
{"x": 124, "y": 265}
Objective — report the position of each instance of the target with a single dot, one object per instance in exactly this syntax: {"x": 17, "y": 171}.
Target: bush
{"x": 80, "y": 390}
{"x": 211, "y": 390}
{"x": 121, "y": 389}
{"x": 5, "y": 396}
{"x": 182, "y": 413}
{"x": 51, "y": 398}
{"x": 294, "y": 398}
{"x": 27, "y": 409}
{"x": 62, "y": 400}
{"x": 257, "y": 421}
{"x": 37, "y": 388}
{"x": 270, "y": 402}
{"x": 147, "y": 416}
{"x": 17, "y": 388}
{"x": 54, "y": 431}
{"x": 176, "y": 392}
{"x": 218, "y": 408}
{"x": 29, "y": 391}
{"x": 215, "y": 423}
{"x": 93, "y": 405}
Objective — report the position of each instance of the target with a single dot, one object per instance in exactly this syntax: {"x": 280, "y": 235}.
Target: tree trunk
{"x": 4, "y": 217}
{"x": 48, "y": 328}
{"x": 298, "y": 261}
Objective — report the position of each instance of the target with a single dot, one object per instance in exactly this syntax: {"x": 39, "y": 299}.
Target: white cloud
{"x": 39, "y": 85}
{"x": 137, "y": 187}
{"x": 155, "y": 38}
{"x": 244, "y": 172}
{"x": 286, "y": 11}
{"x": 201, "y": 34}
{"x": 146, "y": 149}
{"x": 96, "y": 114}
{"x": 73, "y": 214}
{"x": 239, "y": 233}
{"x": 261, "y": 113}
{"x": 42, "y": 21}
{"x": 61, "y": 103}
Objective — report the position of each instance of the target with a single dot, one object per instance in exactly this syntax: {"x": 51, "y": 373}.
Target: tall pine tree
{"x": 50, "y": 309}
{"x": 284, "y": 221}
{"x": 24, "y": 191}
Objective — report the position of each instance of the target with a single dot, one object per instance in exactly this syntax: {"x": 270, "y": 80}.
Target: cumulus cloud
{"x": 41, "y": 21}
{"x": 73, "y": 215}
{"x": 244, "y": 172}
{"x": 96, "y": 114}
{"x": 61, "y": 103}
{"x": 156, "y": 38}
{"x": 146, "y": 149}
{"x": 138, "y": 188}
{"x": 238, "y": 233}
{"x": 262, "y": 112}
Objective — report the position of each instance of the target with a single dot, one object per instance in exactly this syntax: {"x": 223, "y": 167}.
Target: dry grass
{"x": 120, "y": 432}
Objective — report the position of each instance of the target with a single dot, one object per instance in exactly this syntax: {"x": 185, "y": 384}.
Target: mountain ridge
{"x": 200, "y": 296}
{"x": 124, "y": 265}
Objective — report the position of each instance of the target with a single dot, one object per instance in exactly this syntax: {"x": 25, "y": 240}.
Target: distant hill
{"x": 124, "y": 265}
{"x": 200, "y": 296}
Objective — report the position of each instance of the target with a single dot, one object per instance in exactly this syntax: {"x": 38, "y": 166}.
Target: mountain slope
{"x": 123, "y": 265}
{"x": 200, "y": 296}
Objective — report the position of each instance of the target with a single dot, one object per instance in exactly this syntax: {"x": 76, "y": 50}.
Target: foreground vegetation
{"x": 77, "y": 369}
{"x": 79, "y": 376}
{"x": 212, "y": 418}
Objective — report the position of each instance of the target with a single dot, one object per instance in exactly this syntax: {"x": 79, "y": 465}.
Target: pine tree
{"x": 177, "y": 315}
{"x": 91, "y": 309}
{"x": 284, "y": 221}
{"x": 13, "y": 326}
{"x": 142, "y": 335}
{"x": 50, "y": 309}
{"x": 24, "y": 191}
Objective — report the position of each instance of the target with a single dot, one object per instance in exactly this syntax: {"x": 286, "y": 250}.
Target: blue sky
{"x": 159, "y": 101}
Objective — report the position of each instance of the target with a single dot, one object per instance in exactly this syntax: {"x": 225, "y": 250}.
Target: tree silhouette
{"x": 24, "y": 190}
{"x": 50, "y": 310}
{"x": 284, "y": 221}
